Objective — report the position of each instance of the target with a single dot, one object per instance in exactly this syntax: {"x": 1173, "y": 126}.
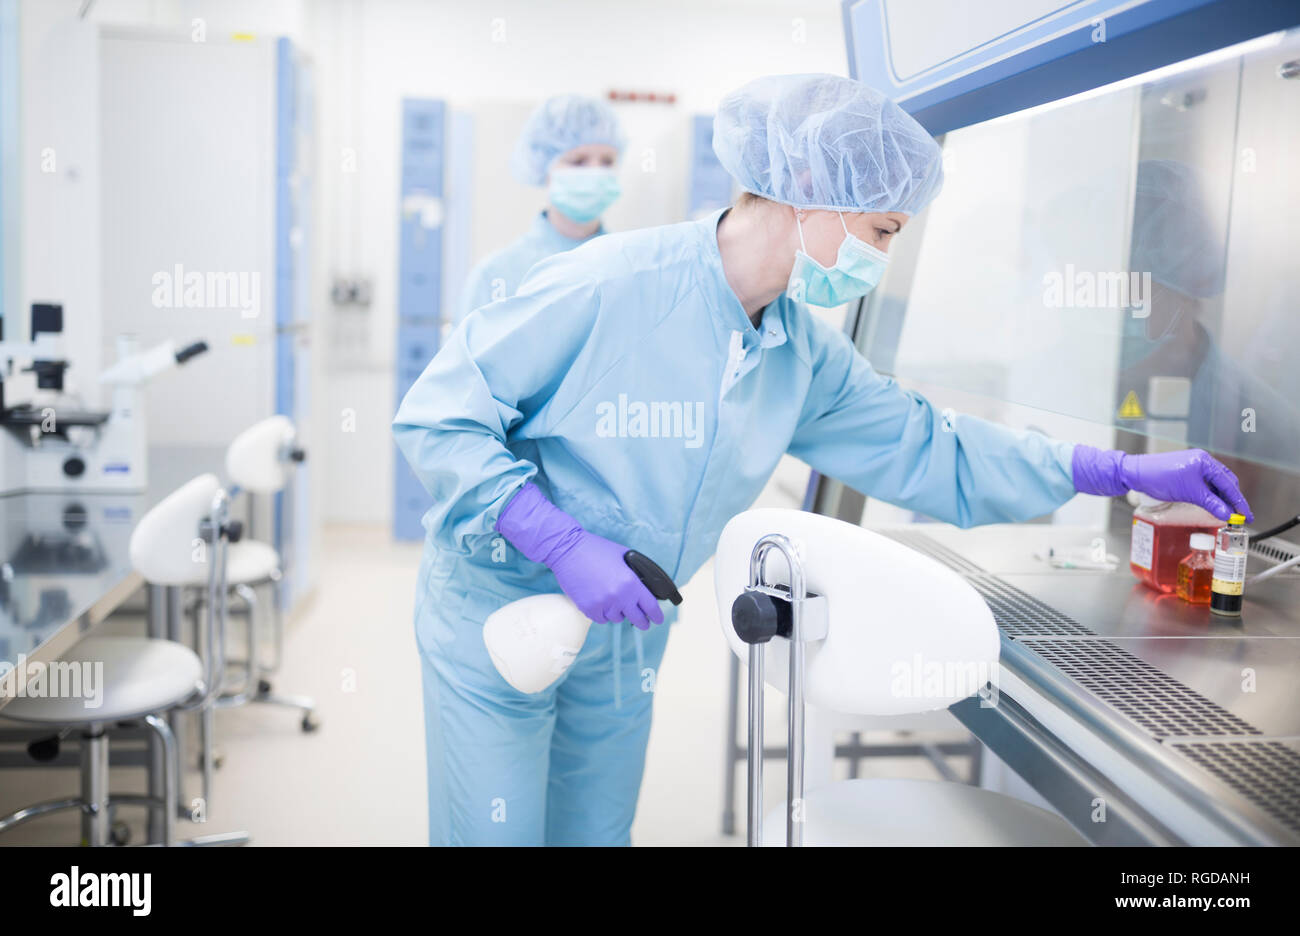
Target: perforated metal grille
{"x": 1017, "y": 613}
{"x": 928, "y": 547}
{"x": 1157, "y": 702}
{"x": 1021, "y": 615}
{"x": 1265, "y": 772}
{"x": 1274, "y": 552}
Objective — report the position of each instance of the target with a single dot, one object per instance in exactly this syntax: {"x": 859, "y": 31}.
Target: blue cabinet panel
{"x": 419, "y": 280}
{"x": 416, "y": 345}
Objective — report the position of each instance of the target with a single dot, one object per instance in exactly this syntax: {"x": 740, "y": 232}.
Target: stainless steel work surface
{"x": 1251, "y": 684}
{"x": 1007, "y": 549}
{"x": 65, "y": 563}
{"x": 64, "y": 567}
{"x": 1203, "y": 711}
{"x": 1118, "y": 605}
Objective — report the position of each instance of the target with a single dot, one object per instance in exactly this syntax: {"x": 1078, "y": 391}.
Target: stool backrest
{"x": 906, "y": 633}
{"x": 258, "y": 459}
{"x": 167, "y": 544}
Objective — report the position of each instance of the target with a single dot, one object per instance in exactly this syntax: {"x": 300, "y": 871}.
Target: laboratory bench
{"x": 64, "y": 568}
{"x": 64, "y": 559}
{"x": 1141, "y": 718}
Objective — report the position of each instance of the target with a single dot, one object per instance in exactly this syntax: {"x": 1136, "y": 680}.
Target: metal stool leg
{"x": 96, "y": 803}
{"x": 157, "y": 629}
{"x": 265, "y": 695}
{"x": 277, "y": 625}
{"x": 795, "y": 746}
{"x": 754, "y": 760}
{"x": 94, "y": 786}
{"x": 760, "y": 614}
{"x": 171, "y": 775}
{"x": 172, "y": 784}
{"x": 733, "y": 721}
{"x": 251, "y": 664}
{"x": 256, "y": 689}
{"x": 207, "y": 729}
{"x": 18, "y": 817}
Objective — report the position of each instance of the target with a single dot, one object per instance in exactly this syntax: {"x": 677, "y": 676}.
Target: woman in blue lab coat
{"x": 530, "y": 431}
{"x": 571, "y": 144}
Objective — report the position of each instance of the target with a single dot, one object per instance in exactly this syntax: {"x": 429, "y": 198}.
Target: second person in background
{"x": 572, "y": 145}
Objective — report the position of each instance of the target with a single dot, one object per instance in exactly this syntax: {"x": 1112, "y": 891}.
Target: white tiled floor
{"x": 360, "y": 779}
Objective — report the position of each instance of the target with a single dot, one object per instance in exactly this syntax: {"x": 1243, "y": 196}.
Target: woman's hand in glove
{"x": 589, "y": 568}
{"x": 1191, "y": 476}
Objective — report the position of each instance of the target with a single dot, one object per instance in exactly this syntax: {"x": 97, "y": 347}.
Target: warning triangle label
{"x": 1131, "y": 408}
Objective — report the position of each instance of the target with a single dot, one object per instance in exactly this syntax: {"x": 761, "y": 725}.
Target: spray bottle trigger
{"x": 654, "y": 578}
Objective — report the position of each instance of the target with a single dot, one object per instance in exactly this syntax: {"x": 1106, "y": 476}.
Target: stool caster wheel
{"x": 309, "y": 723}
{"x": 119, "y": 834}
{"x": 263, "y": 687}
{"x": 44, "y": 749}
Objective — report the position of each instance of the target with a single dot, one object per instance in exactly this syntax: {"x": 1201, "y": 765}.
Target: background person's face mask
{"x": 856, "y": 272}
{"x": 1136, "y": 342}
{"x": 583, "y": 194}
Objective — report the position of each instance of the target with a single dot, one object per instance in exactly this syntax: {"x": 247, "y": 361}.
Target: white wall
{"x": 187, "y": 157}
{"x": 221, "y": 18}
{"x": 10, "y": 183}
{"x": 59, "y": 151}
{"x": 59, "y": 100}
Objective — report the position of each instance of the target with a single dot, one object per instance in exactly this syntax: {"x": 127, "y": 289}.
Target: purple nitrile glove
{"x": 589, "y": 568}
{"x": 1190, "y": 476}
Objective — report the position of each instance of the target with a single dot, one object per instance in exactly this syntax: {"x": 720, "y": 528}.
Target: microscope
{"x": 52, "y": 443}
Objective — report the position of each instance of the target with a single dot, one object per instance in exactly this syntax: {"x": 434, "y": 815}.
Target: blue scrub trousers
{"x": 562, "y": 767}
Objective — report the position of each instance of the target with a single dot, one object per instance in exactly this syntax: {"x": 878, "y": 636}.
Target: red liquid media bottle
{"x": 1161, "y": 533}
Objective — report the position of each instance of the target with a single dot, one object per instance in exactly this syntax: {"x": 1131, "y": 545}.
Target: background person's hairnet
{"x": 558, "y": 125}
{"x": 1174, "y": 237}
{"x": 821, "y": 141}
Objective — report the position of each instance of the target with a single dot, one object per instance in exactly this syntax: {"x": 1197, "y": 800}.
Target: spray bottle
{"x": 534, "y": 640}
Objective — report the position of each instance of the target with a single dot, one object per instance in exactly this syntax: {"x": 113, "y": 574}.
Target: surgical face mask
{"x": 1136, "y": 344}
{"x": 583, "y": 194}
{"x": 857, "y": 270}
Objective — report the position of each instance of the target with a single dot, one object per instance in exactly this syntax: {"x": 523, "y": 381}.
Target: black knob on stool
{"x": 756, "y": 617}
{"x": 43, "y": 749}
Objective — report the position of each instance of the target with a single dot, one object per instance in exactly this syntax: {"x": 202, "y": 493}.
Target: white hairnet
{"x": 821, "y": 141}
{"x": 558, "y": 125}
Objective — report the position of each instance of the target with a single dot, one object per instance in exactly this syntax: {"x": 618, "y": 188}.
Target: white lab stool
{"x": 142, "y": 678}
{"x": 842, "y": 623}
{"x": 260, "y": 461}
{"x": 933, "y": 736}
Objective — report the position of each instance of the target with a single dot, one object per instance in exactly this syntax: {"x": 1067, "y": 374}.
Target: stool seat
{"x": 140, "y": 676}
{"x": 903, "y": 812}
{"x": 250, "y": 561}
{"x": 247, "y": 562}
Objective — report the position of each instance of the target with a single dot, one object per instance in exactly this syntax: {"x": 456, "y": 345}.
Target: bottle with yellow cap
{"x": 1229, "y": 567}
